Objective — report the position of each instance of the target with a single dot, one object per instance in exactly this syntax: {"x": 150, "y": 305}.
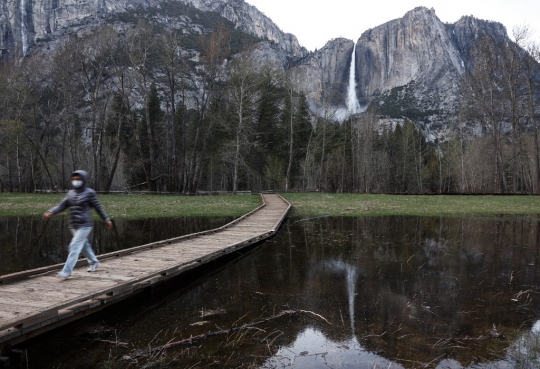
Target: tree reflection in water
{"x": 431, "y": 292}
{"x": 31, "y": 242}
{"x": 405, "y": 292}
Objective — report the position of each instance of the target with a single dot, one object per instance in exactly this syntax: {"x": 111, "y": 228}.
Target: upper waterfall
{"x": 350, "y": 105}
{"x": 353, "y": 106}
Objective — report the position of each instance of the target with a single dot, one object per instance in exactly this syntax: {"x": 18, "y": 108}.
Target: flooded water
{"x": 384, "y": 292}
{"x": 32, "y": 242}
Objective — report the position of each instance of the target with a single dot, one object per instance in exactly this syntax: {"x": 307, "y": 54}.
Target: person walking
{"x": 79, "y": 201}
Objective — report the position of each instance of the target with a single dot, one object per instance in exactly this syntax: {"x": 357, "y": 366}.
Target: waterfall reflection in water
{"x": 398, "y": 291}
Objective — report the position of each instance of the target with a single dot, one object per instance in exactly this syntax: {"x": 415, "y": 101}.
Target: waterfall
{"x": 24, "y": 39}
{"x": 353, "y": 106}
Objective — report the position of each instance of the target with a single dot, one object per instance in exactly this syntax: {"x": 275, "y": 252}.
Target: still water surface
{"x": 397, "y": 292}
{"x": 32, "y": 242}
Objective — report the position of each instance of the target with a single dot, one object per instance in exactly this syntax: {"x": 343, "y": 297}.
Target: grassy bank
{"x": 137, "y": 206}
{"x": 304, "y": 205}
{"x": 317, "y": 204}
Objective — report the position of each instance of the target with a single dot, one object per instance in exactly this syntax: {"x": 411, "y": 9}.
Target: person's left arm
{"x": 94, "y": 202}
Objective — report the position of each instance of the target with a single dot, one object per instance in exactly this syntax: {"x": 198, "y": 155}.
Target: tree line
{"x": 160, "y": 110}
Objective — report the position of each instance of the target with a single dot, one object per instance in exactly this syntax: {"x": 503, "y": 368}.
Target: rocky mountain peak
{"x": 419, "y": 12}
{"x": 468, "y": 29}
{"x": 415, "y": 47}
{"x": 475, "y": 25}
{"x": 250, "y": 20}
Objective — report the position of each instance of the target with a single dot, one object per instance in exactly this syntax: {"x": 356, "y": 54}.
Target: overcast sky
{"x": 315, "y": 22}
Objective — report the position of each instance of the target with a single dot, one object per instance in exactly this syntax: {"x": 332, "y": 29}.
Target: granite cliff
{"x": 324, "y": 75}
{"x": 416, "y": 47}
{"x": 26, "y": 23}
{"x": 250, "y": 20}
{"x": 410, "y": 66}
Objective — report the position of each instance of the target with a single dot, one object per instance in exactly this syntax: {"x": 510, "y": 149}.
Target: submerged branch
{"x": 193, "y": 339}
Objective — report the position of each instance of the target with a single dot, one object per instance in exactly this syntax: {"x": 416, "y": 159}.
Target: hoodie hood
{"x": 84, "y": 177}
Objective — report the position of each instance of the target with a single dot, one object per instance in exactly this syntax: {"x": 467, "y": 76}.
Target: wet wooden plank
{"x": 7, "y": 309}
{"x": 167, "y": 254}
{"x": 10, "y": 314}
{"x": 85, "y": 305}
{"x": 72, "y": 290}
{"x": 24, "y": 303}
{"x": 44, "y": 295}
{"x": 29, "y": 318}
{"x": 9, "y": 333}
{"x": 122, "y": 265}
{"x": 79, "y": 280}
{"x": 115, "y": 278}
{"x": 199, "y": 247}
{"x": 129, "y": 269}
{"x": 146, "y": 260}
{"x": 64, "y": 313}
{"x": 106, "y": 299}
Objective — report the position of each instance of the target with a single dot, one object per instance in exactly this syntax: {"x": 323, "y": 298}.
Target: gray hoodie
{"x": 79, "y": 201}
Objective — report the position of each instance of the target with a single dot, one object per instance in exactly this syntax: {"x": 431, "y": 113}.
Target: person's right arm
{"x": 57, "y": 209}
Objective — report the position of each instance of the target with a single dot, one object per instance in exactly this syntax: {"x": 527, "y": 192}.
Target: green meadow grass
{"x": 317, "y": 204}
{"x": 136, "y": 206}
{"x": 304, "y": 205}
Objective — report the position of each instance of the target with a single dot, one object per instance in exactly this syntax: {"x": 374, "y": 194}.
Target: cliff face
{"x": 6, "y": 36}
{"x": 23, "y": 22}
{"x": 27, "y": 22}
{"x": 416, "y": 47}
{"x": 468, "y": 29}
{"x": 249, "y": 19}
{"x": 323, "y": 76}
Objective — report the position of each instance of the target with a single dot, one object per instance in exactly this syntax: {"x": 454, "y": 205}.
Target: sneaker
{"x": 63, "y": 275}
{"x": 93, "y": 267}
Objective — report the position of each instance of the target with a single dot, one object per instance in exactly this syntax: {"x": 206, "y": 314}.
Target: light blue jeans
{"x": 79, "y": 244}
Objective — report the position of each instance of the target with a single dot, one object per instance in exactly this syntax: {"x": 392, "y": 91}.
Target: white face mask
{"x": 77, "y": 184}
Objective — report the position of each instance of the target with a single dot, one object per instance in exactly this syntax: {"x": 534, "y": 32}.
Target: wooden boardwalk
{"x": 35, "y": 301}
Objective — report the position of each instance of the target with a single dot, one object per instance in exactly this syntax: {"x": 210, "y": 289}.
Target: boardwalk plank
{"x": 44, "y": 295}
{"x": 85, "y": 305}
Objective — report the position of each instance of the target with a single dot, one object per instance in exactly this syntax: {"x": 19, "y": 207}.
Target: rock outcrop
{"x": 416, "y": 47}
{"x": 323, "y": 76}
{"x": 25, "y": 22}
{"x": 468, "y": 29}
{"x": 249, "y": 19}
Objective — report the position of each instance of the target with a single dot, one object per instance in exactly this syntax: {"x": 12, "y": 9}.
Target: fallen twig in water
{"x": 193, "y": 339}
{"x": 306, "y": 354}
{"x": 117, "y": 343}
{"x": 306, "y": 219}
{"x": 437, "y": 358}
{"x": 311, "y": 312}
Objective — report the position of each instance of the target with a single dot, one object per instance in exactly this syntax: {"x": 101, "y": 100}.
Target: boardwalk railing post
{"x": 4, "y": 362}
